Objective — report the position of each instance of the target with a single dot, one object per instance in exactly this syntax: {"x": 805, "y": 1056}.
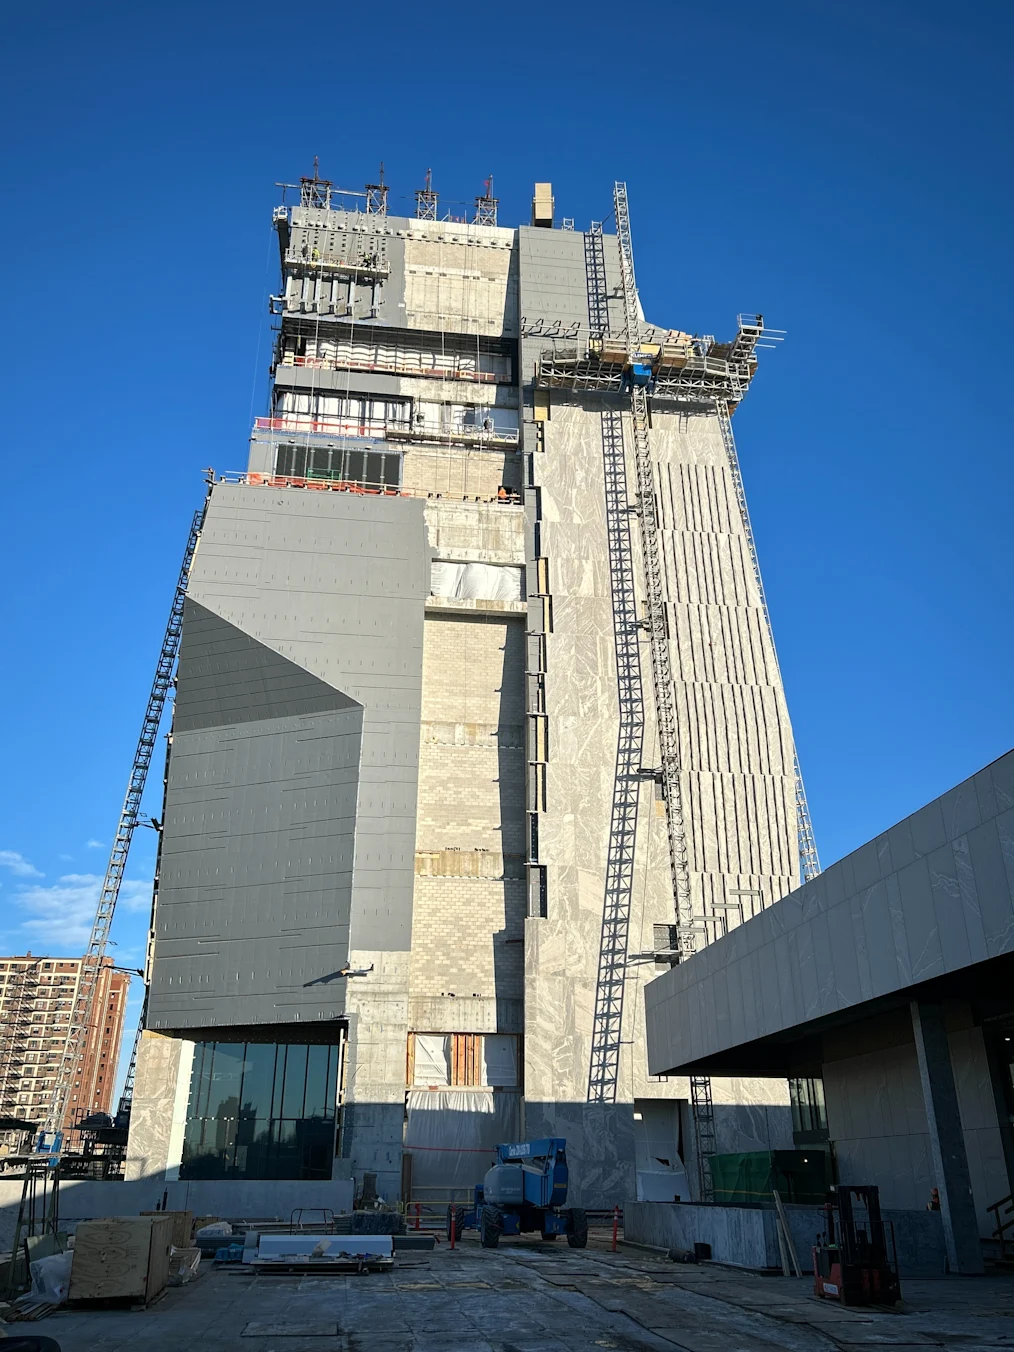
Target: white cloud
{"x": 19, "y": 865}
{"x": 93, "y": 844}
{"x": 62, "y": 914}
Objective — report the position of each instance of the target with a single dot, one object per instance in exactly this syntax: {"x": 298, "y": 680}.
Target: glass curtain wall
{"x": 261, "y": 1110}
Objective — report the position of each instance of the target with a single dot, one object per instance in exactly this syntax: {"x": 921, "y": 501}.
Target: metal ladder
{"x": 661, "y": 673}
{"x": 607, "y": 1023}
{"x": 654, "y": 586}
{"x": 808, "y": 859}
{"x": 84, "y": 1004}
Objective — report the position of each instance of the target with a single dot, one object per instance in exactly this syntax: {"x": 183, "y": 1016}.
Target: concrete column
{"x": 947, "y": 1139}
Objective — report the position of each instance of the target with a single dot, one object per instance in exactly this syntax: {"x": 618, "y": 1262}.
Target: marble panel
{"x": 993, "y": 888}
{"x": 947, "y": 907}
{"x": 770, "y": 991}
{"x": 739, "y": 1027}
{"x": 865, "y": 866}
{"x": 985, "y": 794}
{"x": 899, "y": 839}
{"x": 848, "y": 989}
{"x": 969, "y": 899}
{"x": 960, "y": 809}
{"x": 928, "y": 831}
{"x": 720, "y": 1003}
{"x": 858, "y": 934}
{"x": 787, "y": 981}
{"x": 884, "y": 860}
{"x": 808, "y": 971}
{"x": 1005, "y": 835}
{"x": 921, "y": 930}
{"x": 823, "y": 958}
{"x": 829, "y": 889}
{"x": 1002, "y": 774}
{"x": 897, "y": 915}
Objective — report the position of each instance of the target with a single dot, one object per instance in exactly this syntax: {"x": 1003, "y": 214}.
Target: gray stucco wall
{"x": 930, "y": 896}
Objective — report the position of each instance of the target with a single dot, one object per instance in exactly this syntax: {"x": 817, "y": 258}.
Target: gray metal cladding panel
{"x": 553, "y": 282}
{"x": 336, "y": 584}
{"x": 255, "y": 881}
{"x": 225, "y": 676}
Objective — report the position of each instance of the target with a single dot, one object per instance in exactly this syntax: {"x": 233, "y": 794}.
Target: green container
{"x": 798, "y": 1175}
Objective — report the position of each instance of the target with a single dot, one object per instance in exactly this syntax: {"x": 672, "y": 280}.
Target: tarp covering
{"x": 799, "y": 1176}
{"x": 500, "y": 1060}
{"x": 432, "y": 1058}
{"x": 452, "y": 1135}
{"x": 477, "y": 581}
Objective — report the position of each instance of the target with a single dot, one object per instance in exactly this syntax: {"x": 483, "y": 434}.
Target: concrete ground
{"x": 528, "y": 1296}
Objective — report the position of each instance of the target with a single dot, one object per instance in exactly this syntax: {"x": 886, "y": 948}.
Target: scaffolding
{"x": 20, "y": 994}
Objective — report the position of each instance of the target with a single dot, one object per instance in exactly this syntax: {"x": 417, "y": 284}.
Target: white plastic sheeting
{"x": 432, "y": 1058}
{"x": 452, "y": 1134}
{"x": 500, "y": 1060}
{"x": 480, "y": 581}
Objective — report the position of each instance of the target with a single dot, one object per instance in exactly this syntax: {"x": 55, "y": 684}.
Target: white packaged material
{"x": 51, "y": 1277}
{"x": 476, "y": 581}
{"x": 324, "y": 1246}
{"x": 217, "y": 1228}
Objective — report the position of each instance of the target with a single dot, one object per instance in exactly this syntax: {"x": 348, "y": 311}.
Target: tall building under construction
{"x": 478, "y": 724}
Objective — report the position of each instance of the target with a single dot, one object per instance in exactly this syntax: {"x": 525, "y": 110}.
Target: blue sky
{"x": 843, "y": 167}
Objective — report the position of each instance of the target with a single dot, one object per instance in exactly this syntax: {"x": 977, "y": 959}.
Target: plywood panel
{"x": 121, "y": 1256}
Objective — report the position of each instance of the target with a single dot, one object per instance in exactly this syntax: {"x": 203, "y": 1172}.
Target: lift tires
{"x": 548, "y": 1235}
{"x": 458, "y": 1223}
{"x": 577, "y": 1228}
{"x": 490, "y": 1227}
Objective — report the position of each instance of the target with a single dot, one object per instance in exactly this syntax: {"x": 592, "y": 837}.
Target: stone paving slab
{"x": 523, "y": 1298}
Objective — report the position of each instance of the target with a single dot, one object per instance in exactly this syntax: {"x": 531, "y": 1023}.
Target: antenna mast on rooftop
{"x": 485, "y": 207}
{"x": 376, "y": 195}
{"x": 316, "y": 191}
{"x": 426, "y": 200}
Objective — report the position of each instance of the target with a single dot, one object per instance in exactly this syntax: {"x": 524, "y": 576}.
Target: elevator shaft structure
{"x": 654, "y": 586}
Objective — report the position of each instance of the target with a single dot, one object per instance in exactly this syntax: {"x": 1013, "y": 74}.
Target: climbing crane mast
{"x": 83, "y": 1009}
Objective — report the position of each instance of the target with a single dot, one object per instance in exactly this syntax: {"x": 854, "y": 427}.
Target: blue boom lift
{"x": 524, "y": 1192}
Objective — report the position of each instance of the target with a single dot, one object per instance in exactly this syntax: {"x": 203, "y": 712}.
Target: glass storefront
{"x": 261, "y": 1110}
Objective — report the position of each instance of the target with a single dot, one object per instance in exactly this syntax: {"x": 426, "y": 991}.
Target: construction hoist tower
{"x": 83, "y": 1009}
{"x": 693, "y": 927}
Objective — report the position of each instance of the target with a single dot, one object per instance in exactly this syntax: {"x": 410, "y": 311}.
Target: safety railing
{"x": 390, "y": 431}
{"x": 511, "y": 498}
{"x": 399, "y": 368}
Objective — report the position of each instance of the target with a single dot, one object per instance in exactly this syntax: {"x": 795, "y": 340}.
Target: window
{"x": 368, "y": 469}
{"x": 261, "y": 1110}
{"x": 809, "y": 1116}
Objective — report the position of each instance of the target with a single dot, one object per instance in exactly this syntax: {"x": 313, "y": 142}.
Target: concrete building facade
{"x": 37, "y": 995}
{"x": 392, "y": 784}
{"x": 890, "y": 978}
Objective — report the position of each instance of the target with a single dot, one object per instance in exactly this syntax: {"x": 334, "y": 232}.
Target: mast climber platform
{"x": 661, "y": 366}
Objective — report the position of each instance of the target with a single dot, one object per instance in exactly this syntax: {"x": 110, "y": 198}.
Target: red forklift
{"x": 851, "y": 1261}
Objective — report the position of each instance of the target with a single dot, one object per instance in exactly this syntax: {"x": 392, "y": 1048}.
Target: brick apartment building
{"x": 36, "y": 997}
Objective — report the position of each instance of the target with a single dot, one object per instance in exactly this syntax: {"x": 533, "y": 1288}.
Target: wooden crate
{"x": 183, "y": 1226}
{"x": 121, "y": 1257}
